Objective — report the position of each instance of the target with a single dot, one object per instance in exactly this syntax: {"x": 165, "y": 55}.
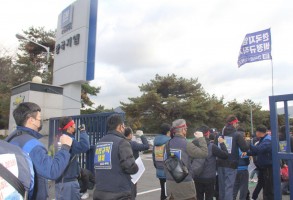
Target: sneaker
{"x": 254, "y": 180}
{"x": 85, "y": 196}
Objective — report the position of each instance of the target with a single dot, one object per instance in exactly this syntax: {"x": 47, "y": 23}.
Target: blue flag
{"x": 255, "y": 47}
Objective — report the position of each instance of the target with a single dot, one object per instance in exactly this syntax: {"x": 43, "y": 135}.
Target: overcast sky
{"x": 137, "y": 39}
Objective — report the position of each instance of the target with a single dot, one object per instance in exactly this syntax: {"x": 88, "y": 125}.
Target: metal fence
{"x": 95, "y": 125}
{"x": 278, "y": 154}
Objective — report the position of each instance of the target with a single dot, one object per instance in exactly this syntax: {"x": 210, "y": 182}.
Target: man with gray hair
{"x": 185, "y": 151}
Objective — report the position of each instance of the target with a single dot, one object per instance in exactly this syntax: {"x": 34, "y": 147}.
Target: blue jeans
{"x": 241, "y": 184}
{"x": 226, "y": 177}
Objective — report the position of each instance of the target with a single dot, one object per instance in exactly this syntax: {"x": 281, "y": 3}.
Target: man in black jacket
{"x": 227, "y": 169}
{"x": 136, "y": 148}
{"x": 114, "y": 162}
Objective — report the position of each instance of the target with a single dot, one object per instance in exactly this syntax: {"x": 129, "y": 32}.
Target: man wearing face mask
{"x": 114, "y": 163}
{"x": 28, "y": 119}
{"x": 67, "y": 186}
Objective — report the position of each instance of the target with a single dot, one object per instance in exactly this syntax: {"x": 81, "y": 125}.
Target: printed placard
{"x": 103, "y": 155}
{"x": 7, "y": 191}
{"x": 228, "y": 142}
{"x": 159, "y": 153}
{"x": 176, "y": 152}
{"x": 283, "y": 146}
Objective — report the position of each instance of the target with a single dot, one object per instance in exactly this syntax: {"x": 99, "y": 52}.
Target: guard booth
{"x": 278, "y": 152}
{"x": 95, "y": 125}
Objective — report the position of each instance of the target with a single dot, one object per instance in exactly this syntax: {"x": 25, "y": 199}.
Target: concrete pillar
{"x": 48, "y": 97}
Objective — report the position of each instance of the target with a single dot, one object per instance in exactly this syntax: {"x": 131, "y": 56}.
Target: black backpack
{"x": 175, "y": 166}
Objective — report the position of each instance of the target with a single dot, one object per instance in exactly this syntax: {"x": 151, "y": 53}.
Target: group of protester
{"x": 224, "y": 157}
{"x": 225, "y": 168}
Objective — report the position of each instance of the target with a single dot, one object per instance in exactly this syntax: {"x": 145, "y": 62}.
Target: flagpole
{"x": 272, "y": 77}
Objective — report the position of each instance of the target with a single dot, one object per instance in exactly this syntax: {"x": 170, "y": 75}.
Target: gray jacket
{"x": 187, "y": 150}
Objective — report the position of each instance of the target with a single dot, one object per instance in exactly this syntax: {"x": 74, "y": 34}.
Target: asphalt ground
{"x": 148, "y": 187}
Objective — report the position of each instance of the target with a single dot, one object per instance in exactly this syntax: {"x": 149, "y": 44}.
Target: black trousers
{"x": 163, "y": 193}
{"x": 259, "y": 185}
{"x": 268, "y": 185}
{"x": 133, "y": 190}
{"x": 205, "y": 190}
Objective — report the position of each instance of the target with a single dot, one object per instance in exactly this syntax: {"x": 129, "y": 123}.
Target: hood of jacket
{"x": 161, "y": 139}
{"x": 229, "y": 129}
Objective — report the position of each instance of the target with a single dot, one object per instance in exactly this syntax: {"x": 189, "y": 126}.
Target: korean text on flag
{"x": 255, "y": 47}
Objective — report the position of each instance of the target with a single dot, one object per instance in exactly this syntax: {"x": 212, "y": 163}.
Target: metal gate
{"x": 279, "y": 155}
{"x": 96, "y": 128}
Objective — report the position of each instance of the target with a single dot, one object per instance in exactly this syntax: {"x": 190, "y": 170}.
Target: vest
{"x": 158, "y": 156}
{"x": 178, "y": 147}
{"x": 109, "y": 175}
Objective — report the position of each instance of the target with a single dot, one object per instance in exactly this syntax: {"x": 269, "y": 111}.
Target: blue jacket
{"x": 137, "y": 147}
{"x": 158, "y": 154}
{"x": 45, "y": 166}
{"x": 263, "y": 151}
{"x": 243, "y": 162}
{"x": 77, "y": 147}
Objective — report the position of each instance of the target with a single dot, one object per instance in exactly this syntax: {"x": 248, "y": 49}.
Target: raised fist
{"x": 139, "y": 133}
{"x": 65, "y": 139}
{"x": 198, "y": 134}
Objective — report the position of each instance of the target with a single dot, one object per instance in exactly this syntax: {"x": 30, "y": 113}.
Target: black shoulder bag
{"x": 175, "y": 166}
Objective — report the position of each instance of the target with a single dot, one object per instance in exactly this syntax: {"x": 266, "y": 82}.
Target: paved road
{"x": 148, "y": 186}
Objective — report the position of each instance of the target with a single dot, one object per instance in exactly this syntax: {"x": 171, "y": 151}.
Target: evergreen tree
{"x": 5, "y": 86}
{"x": 167, "y": 98}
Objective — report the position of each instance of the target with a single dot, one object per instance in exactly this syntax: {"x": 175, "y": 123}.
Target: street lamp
{"x": 21, "y": 37}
